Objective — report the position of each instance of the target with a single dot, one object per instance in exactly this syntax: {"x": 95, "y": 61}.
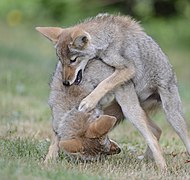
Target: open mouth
{"x": 79, "y": 77}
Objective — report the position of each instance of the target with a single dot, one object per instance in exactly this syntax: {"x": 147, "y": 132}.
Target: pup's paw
{"x": 87, "y": 104}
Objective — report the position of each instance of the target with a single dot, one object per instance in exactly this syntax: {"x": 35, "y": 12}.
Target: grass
{"x": 27, "y": 61}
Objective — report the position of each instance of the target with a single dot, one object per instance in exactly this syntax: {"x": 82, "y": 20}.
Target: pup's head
{"x": 73, "y": 48}
{"x": 94, "y": 143}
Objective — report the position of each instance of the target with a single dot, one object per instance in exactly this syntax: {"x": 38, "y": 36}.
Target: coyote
{"x": 79, "y": 134}
{"x": 142, "y": 79}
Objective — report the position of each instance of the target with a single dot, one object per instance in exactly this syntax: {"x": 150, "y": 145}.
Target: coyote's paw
{"x": 50, "y": 159}
{"x": 52, "y": 154}
{"x": 87, "y": 104}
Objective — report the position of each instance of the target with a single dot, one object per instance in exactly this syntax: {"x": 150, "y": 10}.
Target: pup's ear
{"x": 52, "y": 33}
{"x": 100, "y": 126}
{"x": 71, "y": 146}
{"x": 80, "y": 42}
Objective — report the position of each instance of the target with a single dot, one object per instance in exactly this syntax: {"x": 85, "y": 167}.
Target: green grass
{"x": 27, "y": 61}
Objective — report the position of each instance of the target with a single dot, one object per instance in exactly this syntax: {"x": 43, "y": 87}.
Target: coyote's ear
{"x": 71, "y": 146}
{"x": 100, "y": 126}
{"x": 52, "y": 33}
{"x": 80, "y": 42}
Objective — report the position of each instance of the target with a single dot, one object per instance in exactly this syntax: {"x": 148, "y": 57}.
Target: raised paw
{"x": 87, "y": 104}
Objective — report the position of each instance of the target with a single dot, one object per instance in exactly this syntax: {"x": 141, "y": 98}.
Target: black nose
{"x": 66, "y": 83}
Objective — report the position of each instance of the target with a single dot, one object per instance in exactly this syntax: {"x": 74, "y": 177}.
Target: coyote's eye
{"x": 73, "y": 60}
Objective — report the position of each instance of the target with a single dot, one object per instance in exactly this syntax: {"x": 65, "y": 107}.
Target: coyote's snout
{"x": 71, "y": 75}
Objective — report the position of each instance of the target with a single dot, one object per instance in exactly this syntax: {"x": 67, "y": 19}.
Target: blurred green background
{"x": 71, "y": 11}
{"x": 27, "y": 61}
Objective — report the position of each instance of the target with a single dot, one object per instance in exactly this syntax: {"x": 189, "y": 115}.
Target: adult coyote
{"x": 143, "y": 75}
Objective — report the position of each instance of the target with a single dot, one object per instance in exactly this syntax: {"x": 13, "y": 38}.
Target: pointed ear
{"x": 71, "y": 146}
{"x": 100, "y": 126}
{"x": 52, "y": 33}
{"x": 80, "y": 42}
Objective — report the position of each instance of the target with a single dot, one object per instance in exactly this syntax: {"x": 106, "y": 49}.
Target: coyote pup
{"x": 79, "y": 133}
{"x": 143, "y": 75}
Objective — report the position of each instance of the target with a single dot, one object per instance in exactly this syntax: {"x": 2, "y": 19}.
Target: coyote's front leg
{"x": 53, "y": 151}
{"x": 117, "y": 78}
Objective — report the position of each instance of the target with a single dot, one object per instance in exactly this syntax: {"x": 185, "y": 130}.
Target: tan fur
{"x": 71, "y": 145}
{"x": 100, "y": 127}
{"x": 52, "y": 34}
{"x": 69, "y": 72}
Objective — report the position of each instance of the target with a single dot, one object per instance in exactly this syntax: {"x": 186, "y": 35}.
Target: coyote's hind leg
{"x": 128, "y": 100}
{"x": 157, "y": 133}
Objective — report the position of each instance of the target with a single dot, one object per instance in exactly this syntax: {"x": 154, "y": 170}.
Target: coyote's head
{"x": 73, "y": 48}
{"x": 94, "y": 142}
